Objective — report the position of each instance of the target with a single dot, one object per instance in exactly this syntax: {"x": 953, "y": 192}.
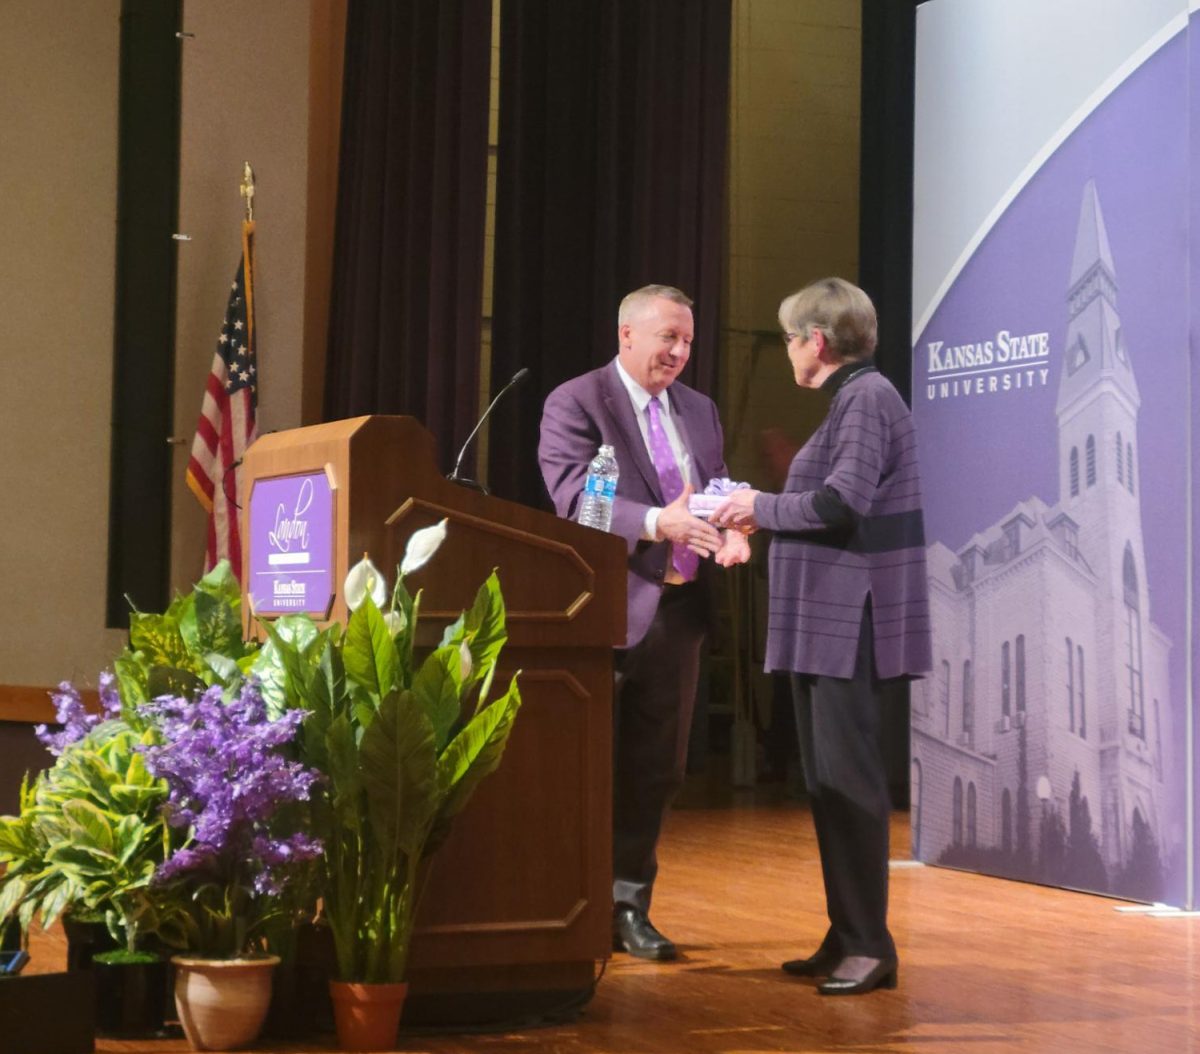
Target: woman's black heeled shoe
{"x": 884, "y": 974}
{"x": 820, "y": 964}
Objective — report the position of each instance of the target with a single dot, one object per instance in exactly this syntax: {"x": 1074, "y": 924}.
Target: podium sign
{"x": 291, "y": 567}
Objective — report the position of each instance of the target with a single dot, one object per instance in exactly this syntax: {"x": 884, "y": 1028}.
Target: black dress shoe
{"x": 633, "y": 932}
{"x": 884, "y": 974}
{"x": 819, "y": 964}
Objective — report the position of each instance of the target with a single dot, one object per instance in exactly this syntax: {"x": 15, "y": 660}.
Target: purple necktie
{"x": 682, "y": 558}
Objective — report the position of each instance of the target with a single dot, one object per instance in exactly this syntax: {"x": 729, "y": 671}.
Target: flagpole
{"x": 247, "y": 190}
{"x": 228, "y": 411}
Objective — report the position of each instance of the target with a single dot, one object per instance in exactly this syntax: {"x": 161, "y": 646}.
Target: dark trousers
{"x": 840, "y": 724}
{"x": 653, "y": 698}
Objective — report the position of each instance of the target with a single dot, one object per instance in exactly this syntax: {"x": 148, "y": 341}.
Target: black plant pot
{"x": 85, "y": 940}
{"x": 10, "y": 936}
{"x": 130, "y": 997}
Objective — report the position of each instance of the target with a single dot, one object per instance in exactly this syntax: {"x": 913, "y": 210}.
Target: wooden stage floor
{"x": 986, "y": 965}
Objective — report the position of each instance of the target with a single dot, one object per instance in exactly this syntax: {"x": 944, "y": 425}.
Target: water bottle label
{"x": 600, "y": 487}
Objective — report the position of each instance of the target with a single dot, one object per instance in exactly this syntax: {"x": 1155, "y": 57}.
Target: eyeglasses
{"x": 804, "y": 335}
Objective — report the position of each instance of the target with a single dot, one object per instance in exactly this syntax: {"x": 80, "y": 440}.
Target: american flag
{"x": 226, "y": 426}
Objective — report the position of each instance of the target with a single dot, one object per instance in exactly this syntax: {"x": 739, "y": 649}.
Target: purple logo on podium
{"x": 291, "y": 545}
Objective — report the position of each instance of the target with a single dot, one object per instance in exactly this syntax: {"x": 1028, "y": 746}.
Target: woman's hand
{"x": 736, "y": 511}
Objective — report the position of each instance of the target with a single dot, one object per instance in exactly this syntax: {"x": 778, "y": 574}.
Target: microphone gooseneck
{"x": 454, "y": 477}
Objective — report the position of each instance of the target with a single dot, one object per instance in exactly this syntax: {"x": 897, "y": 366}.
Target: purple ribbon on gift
{"x": 722, "y": 487}
{"x": 717, "y": 491}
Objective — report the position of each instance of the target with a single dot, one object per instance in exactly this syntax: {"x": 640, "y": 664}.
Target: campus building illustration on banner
{"x": 1040, "y": 742}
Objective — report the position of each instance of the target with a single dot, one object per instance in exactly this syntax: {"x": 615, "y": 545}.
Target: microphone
{"x": 454, "y": 477}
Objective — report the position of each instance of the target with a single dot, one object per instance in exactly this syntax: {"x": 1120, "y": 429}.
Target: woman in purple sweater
{"x": 848, "y": 612}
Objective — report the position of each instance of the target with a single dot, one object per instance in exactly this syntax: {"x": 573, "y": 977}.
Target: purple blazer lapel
{"x": 619, "y": 406}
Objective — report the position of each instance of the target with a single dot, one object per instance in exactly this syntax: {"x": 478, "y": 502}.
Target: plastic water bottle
{"x": 595, "y": 507}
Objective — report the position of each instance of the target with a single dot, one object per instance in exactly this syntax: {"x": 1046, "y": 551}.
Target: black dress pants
{"x": 840, "y": 726}
{"x": 653, "y": 699}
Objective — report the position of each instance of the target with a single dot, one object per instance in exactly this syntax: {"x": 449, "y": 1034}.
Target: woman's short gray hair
{"x": 840, "y": 310}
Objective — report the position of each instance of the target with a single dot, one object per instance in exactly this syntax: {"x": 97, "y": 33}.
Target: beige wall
{"x": 793, "y": 201}
{"x": 58, "y": 192}
{"x": 245, "y": 97}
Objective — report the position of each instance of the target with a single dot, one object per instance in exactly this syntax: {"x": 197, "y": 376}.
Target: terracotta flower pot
{"x": 367, "y": 1015}
{"x": 222, "y": 1003}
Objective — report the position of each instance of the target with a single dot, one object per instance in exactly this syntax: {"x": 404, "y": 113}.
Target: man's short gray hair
{"x": 840, "y": 310}
{"x": 632, "y": 305}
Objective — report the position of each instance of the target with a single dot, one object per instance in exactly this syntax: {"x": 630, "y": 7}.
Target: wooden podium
{"x": 518, "y": 906}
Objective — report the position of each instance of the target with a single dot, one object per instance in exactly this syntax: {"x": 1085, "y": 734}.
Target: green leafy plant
{"x": 195, "y": 644}
{"x": 90, "y": 834}
{"x": 28, "y": 885}
{"x": 400, "y": 744}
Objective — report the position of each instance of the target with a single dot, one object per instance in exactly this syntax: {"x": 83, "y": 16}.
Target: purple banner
{"x": 1194, "y": 255}
{"x": 1050, "y": 390}
{"x": 291, "y": 545}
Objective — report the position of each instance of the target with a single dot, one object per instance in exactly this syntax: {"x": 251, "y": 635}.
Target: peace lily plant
{"x": 402, "y": 739}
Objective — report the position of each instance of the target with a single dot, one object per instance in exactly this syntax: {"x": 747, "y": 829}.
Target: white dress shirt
{"x": 687, "y": 469}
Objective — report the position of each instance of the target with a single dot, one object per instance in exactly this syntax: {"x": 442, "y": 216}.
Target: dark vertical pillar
{"x": 889, "y": 34}
{"x": 886, "y": 178}
{"x": 144, "y": 352}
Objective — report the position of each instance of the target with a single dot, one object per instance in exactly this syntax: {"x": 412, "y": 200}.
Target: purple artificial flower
{"x": 228, "y": 779}
{"x": 275, "y": 855}
{"x": 72, "y": 715}
{"x": 184, "y": 860}
{"x": 110, "y": 698}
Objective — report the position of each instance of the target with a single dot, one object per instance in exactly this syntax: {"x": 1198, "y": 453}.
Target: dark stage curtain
{"x": 405, "y": 314}
{"x": 611, "y": 175}
{"x": 885, "y": 248}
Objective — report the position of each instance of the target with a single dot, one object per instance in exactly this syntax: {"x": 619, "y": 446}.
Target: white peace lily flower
{"x": 395, "y": 621}
{"x": 421, "y": 547}
{"x": 364, "y": 580}
{"x": 465, "y": 662}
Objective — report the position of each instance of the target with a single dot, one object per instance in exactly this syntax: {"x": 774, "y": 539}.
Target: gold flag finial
{"x": 248, "y": 190}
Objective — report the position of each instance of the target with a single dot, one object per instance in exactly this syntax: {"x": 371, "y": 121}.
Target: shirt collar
{"x": 833, "y": 383}
{"x": 641, "y": 398}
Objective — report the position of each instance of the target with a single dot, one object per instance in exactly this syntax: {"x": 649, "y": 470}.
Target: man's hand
{"x": 736, "y": 549}
{"x": 736, "y": 511}
{"x": 678, "y": 525}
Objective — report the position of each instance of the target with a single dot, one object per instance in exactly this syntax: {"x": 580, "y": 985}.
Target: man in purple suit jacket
{"x": 657, "y": 670}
